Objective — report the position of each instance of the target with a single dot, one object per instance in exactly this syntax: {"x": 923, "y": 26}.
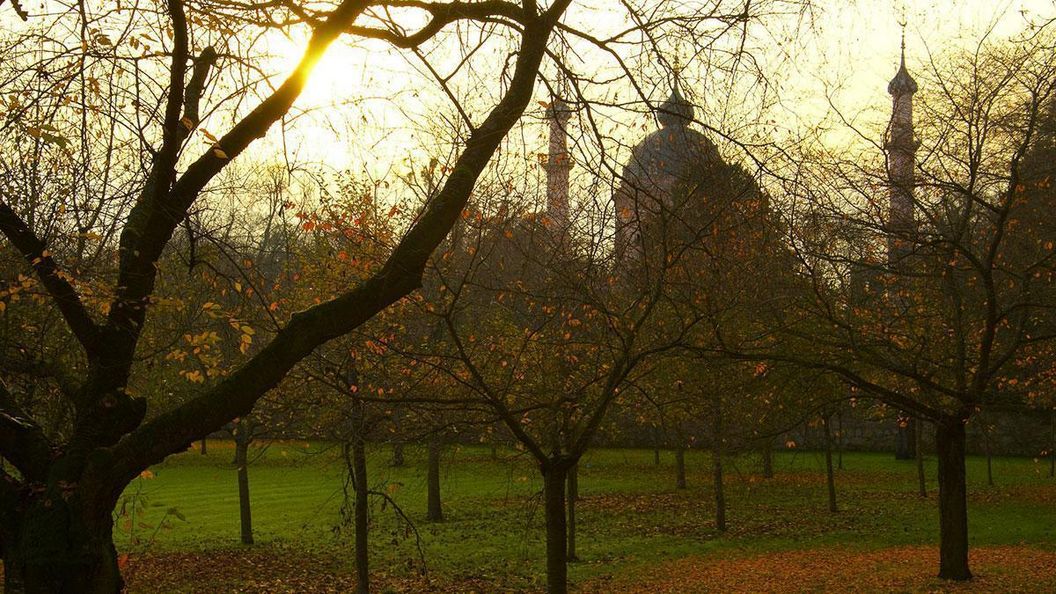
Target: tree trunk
{"x": 656, "y": 447}
{"x": 554, "y": 477}
{"x": 1052, "y": 443}
{"x": 989, "y": 457}
{"x": 398, "y": 460}
{"x": 494, "y": 451}
{"x": 716, "y": 463}
{"x": 905, "y": 448}
{"x": 680, "y": 467}
{"x": 953, "y": 500}
{"x": 242, "y": 464}
{"x": 436, "y": 512}
{"x": 359, "y": 481}
{"x": 768, "y": 459}
{"x": 922, "y": 485}
{"x": 573, "y": 496}
{"x": 60, "y": 547}
{"x": 204, "y": 449}
{"x": 839, "y": 438}
{"x": 830, "y": 478}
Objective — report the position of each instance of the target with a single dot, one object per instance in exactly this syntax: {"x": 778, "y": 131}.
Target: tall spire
{"x": 902, "y": 83}
{"x": 559, "y": 163}
{"x": 901, "y": 145}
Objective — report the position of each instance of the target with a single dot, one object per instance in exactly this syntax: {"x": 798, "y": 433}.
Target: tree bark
{"x": 398, "y": 459}
{"x": 554, "y": 476}
{"x": 839, "y": 438}
{"x": 61, "y": 546}
{"x": 242, "y": 464}
{"x": 953, "y": 500}
{"x": 359, "y": 481}
{"x": 1052, "y": 443}
{"x": 680, "y": 467}
{"x": 989, "y": 457}
{"x": 830, "y": 479}
{"x": 922, "y": 485}
{"x": 204, "y": 449}
{"x": 768, "y": 459}
{"x": 905, "y": 448}
{"x": 716, "y": 464}
{"x": 573, "y": 496}
{"x": 435, "y": 511}
{"x": 656, "y": 446}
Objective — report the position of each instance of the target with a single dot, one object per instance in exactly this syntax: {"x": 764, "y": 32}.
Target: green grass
{"x": 630, "y": 513}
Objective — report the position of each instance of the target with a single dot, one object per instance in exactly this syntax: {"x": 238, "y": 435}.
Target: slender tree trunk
{"x": 554, "y": 477}
{"x": 830, "y": 478}
{"x": 494, "y": 451}
{"x": 359, "y": 481}
{"x": 989, "y": 457}
{"x": 680, "y": 467}
{"x": 204, "y": 449}
{"x": 839, "y": 437}
{"x": 922, "y": 485}
{"x": 573, "y": 496}
{"x": 1052, "y": 443}
{"x": 716, "y": 463}
{"x": 953, "y": 500}
{"x": 61, "y": 547}
{"x": 398, "y": 460}
{"x": 436, "y": 512}
{"x": 768, "y": 459}
{"x": 656, "y": 447}
{"x": 906, "y": 431}
{"x": 242, "y": 464}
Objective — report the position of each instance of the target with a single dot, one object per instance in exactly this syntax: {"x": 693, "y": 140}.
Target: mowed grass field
{"x": 180, "y": 528}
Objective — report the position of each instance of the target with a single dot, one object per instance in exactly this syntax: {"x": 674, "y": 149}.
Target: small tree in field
{"x": 939, "y": 328}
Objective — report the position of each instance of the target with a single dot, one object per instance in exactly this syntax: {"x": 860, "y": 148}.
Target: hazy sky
{"x": 847, "y": 50}
{"x": 844, "y": 49}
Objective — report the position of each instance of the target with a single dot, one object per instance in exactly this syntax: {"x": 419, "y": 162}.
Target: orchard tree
{"x": 937, "y": 331}
{"x": 55, "y": 509}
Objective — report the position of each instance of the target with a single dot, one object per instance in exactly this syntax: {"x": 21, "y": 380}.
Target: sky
{"x": 843, "y": 50}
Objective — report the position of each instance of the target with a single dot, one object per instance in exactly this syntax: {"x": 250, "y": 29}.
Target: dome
{"x": 666, "y": 155}
{"x": 903, "y": 83}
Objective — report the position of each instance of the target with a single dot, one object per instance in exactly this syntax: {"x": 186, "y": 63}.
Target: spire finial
{"x": 902, "y": 23}
{"x": 676, "y": 110}
{"x": 903, "y": 83}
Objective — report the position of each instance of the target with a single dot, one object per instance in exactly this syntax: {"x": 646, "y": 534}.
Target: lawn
{"x": 634, "y": 527}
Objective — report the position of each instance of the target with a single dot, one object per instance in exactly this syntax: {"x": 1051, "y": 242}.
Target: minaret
{"x": 558, "y": 164}
{"x": 901, "y": 149}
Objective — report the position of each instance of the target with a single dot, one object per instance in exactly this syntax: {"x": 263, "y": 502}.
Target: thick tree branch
{"x": 153, "y": 220}
{"x": 442, "y": 14}
{"x": 51, "y": 276}
{"x": 401, "y": 274}
{"x": 22, "y": 441}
